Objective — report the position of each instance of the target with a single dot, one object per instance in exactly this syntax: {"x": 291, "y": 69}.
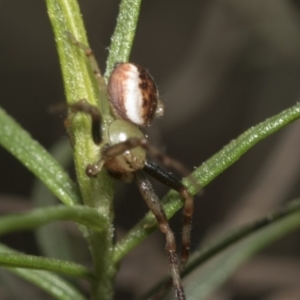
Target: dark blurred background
{"x": 221, "y": 66}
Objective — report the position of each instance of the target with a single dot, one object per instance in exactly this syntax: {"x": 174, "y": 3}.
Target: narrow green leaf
{"x": 122, "y": 39}
{"x": 53, "y": 234}
{"x": 211, "y": 277}
{"x": 15, "y": 287}
{"x": 50, "y": 283}
{"x": 206, "y": 173}
{"x": 79, "y": 214}
{"x": 209, "y": 251}
{"x": 16, "y": 260}
{"x": 20, "y": 144}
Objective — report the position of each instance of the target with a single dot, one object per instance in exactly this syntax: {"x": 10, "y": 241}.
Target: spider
{"x": 135, "y": 102}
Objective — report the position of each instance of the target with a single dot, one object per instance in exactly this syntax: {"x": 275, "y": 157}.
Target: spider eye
{"x": 133, "y": 94}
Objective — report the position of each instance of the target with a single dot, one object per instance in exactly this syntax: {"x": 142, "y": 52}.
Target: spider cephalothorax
{"x": 134, "y": 101}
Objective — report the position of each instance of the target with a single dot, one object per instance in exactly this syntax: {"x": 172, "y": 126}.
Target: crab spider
{"x": 134, "y": 102}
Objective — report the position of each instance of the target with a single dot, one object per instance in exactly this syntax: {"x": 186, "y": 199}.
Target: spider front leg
{"x": 155, "y": 206}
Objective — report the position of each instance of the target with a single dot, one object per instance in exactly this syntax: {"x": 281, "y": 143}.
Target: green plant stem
{"x": 79, "y": 84}
{"x": 50, "y": 283}
{"x": 80, "y": 214}
{"x": 122, "y": 39}
{"x": 206, "y": 173}
{"x": 20, "y": 144}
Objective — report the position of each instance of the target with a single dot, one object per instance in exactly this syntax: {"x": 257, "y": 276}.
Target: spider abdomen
{"x": 133, "y": 94}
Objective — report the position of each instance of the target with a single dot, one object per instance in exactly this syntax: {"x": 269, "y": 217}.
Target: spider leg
{"x": 188, "y": 208}
{"x": 166, "y": 160}
{"x": 84, "y": 107}
{"x": 155, "y": 206}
